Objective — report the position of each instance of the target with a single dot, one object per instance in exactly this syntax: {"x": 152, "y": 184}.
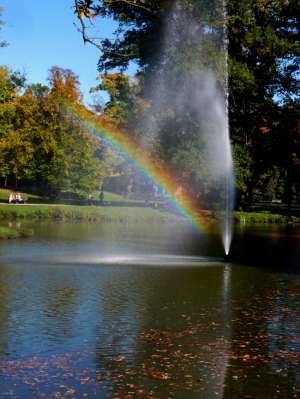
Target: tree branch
{"x": 86, "y": 39}
{"x": 131, "y": 3}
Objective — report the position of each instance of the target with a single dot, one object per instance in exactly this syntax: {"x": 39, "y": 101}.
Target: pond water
{"x": 117, "y": 311}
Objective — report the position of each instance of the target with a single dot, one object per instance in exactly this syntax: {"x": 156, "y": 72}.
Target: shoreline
{"x": 123, "y": 214}
{"x": 85, "y": 213}
{"x": 265, "y": 217}
{"x": 114, "y": 214}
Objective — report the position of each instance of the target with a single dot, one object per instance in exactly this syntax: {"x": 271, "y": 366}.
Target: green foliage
{"x": 120, "y": 104}
{"x": 41, "y": 146}
{"x": 264, "y": 218}
{"x": 243, "y": 166}
{"x": 264, "y": 38}
{"x": 263, "y": 81}
{"x": 10, "y": 84}
{"x": 264, "y": 60}
{"x": 171, "y": 60}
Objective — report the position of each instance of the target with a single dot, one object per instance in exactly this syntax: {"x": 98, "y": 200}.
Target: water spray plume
{"x": 229, "y": 178}
{"x": 187, "y": 117}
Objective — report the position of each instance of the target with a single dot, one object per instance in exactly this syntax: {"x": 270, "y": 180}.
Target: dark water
{"x": 120, "y": 312}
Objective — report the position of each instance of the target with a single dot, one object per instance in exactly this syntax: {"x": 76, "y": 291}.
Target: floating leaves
{"x": 252, "y": 351}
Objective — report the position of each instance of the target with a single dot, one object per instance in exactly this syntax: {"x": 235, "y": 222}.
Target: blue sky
{"x": 42, "y": 34}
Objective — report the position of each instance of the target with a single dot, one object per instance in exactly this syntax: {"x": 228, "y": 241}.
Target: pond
{"x": 118, "y": 311}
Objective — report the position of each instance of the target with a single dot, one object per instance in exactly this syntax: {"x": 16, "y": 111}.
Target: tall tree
{"x": 141, "y": 27}
{"x": 10, "y": 85}
{"x": 41, "y": 146}
{"x": 264, "y": 62}
{"x": 173, "y": 42}
{"x": 263, "y": 68}
{"x": 77, "y": 167}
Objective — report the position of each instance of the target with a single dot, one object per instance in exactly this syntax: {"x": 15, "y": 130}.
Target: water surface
{"x": 114, "y": 311}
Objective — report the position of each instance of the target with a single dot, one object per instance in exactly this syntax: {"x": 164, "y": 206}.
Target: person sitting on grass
{"x": 12, "y": 198}
{"x": 19, "y": 199}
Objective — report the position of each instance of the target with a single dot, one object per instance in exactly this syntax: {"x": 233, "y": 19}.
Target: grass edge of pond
{"x": 86, "y": 213}
{"x": 264, "y": 218}
{"x": 132, "y": 215}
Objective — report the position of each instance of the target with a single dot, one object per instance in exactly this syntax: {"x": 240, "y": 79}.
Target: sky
{"x": 42, "y": 34}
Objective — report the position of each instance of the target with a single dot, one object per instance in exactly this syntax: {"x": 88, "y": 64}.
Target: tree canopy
{"x": 172, "y": 43}
{"x": 263, "y": 66}
{"x": 41, "y": 147}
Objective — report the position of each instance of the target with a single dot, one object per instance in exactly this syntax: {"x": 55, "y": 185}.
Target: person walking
{"x": 101, "y": 197}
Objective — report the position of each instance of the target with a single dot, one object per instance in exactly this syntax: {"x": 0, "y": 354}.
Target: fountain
{"x": 185, "y": 122}
{"x": 229, "y": 179}
{"x": 197, "y": 89}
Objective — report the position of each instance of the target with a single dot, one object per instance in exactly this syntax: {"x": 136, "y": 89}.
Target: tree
{"x": 174, "y": 43}
{"x": 141, "y": 28}
{"x": 142, "y": 16}
{"x": 10, "y": 84}
{"x": 77, "y": 165}
{"x": 64, "y": 85}
{"x": 42, "y": 146}
{"x": 287, "y": 150}
{"x": 120, "y": 103}
{"x": 263, "y": 72}
{"x": 264, "y": 60}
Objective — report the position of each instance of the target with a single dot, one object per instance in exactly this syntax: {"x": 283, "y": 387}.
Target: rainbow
{"x": 182, "y": 200}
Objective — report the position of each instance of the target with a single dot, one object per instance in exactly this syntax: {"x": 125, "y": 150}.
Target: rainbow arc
{"x": 180, "y": 197}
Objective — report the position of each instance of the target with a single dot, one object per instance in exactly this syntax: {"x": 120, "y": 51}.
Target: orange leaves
{"x": 158, "y": 375}
{"x": 118, "y": 359}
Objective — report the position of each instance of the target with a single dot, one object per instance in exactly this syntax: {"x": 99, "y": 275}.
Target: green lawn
{"x": 85, "y": 213}
{"x": 117, "y": 209}
{"x": 108, "y": 197}
{"x": 4, "y": 194}
{"x": 264, "y": 217}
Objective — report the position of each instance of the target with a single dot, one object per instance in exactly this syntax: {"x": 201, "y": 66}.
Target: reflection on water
{"x": 94, "y": 311}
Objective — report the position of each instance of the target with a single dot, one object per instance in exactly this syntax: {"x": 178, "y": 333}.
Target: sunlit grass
{"x": 108, "y": 197}
{"x": 264, "y": 217}
{"x": 4, "y": 195}
{"x": 86, "y": 213}
{"x": 129, "y": 211}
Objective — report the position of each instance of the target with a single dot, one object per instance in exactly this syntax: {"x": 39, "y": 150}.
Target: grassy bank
{"x": 4, "y": 195}
{"x": 7, "y": 233}
{"x": 85, "y": 213}
{"x": 72, "y": 199}
{"x": 264, "y": 218}
{"x": 122, "y": 214}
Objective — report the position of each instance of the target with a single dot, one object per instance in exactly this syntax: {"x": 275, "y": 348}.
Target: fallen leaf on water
{"x": 118, "y": 359}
